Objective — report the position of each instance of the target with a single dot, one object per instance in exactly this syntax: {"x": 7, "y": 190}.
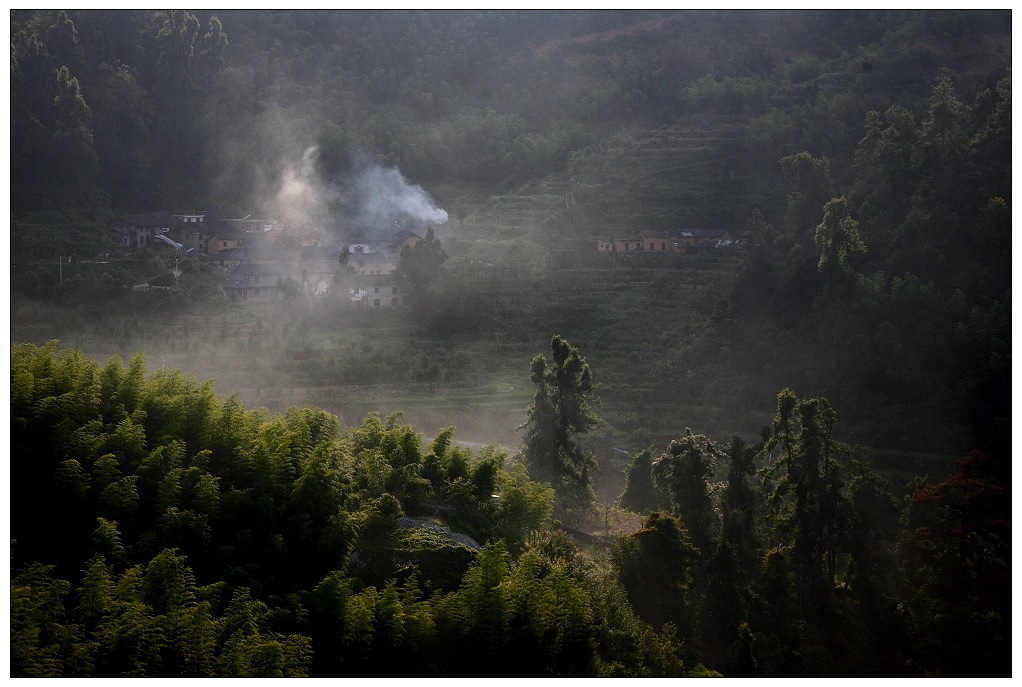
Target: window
{"x": 394, "y": 291}
{"x": 376, "y": 290}
{"x": 663, "y": 246}
{"x": 393, "y": 302}
{"x": 225, "y": 244}
{"x": 257, "y": 291}
{"x": 376, "y": 302}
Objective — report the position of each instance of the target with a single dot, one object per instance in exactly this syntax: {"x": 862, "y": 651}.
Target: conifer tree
{"x": 561, "y": 413}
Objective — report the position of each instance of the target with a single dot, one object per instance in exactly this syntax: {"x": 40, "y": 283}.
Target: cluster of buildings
{"x": 668, "y": 242}
{"x": 265, "y": 261}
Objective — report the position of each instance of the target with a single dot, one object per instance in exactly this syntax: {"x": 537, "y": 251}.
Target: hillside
{"x": 774, "y": 441}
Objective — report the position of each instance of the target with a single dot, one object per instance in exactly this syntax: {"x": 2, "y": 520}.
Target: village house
{"x": 248, "y": 225}
{"x": 190, "y": 217}
{"x": 222, "y": 236}
{"x": 225, "y": 258}
{"x": 649, "y": 241}
{"x": 702, "y": 238}
{"x": 391, "y": 241}
{"x": 140, "y": 231}
{"x": 372, "y": 263}
{"x": 194, "y": 230}
{"x": 191, "y": 231}
{"x": 656, "y": 241}
{"x": 377, "y": 291}
{"x": 378, "y": 256}
{"x": 267, "y": 262}
{"x": 213, "y": 241}
{"x": 269, "y": 282}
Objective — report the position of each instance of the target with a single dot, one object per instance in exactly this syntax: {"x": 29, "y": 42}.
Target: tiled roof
{"x": 222, "y": 230}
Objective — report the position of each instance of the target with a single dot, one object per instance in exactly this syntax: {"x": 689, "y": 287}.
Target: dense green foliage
{"x": 802, "y": 561}
{"x": 195, "y": 537}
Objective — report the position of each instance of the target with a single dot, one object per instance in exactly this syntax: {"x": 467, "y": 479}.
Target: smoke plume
{"x": 368, "y": 195}
{"x": 301, "y": 196}
{"x": 382, "y": 196}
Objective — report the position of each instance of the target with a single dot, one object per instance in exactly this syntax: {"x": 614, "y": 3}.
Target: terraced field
{"x": 530, "y": 253}
{"x": 636, "y": 179}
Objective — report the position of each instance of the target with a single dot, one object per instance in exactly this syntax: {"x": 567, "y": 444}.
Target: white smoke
{"x": 383, "y": 196}
{"x": 301, "y": 197}
{"x": 368, "y": 195}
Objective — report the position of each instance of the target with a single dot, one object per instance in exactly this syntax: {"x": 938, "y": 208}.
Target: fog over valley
{"x": 510, "y": 343}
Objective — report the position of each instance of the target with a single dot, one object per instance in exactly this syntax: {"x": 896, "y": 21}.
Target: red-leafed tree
{"x": 959, "y": 559}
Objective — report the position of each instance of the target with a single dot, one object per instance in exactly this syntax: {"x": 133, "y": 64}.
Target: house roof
{"x": 225, "y": 254}
{"x": 286, "y": 268}
{"x": 377, "y": 258}
{"x": 404, "y": 235}
{"x": 671, "y": 235}
{"x": 703, "y": 233}
{"x": 385, "y": 236}
{"x": 277, "y": 270}
{"x": 222, "y": 230}
{"x": 247, "y": 223}
{"x": 366, "y": 280}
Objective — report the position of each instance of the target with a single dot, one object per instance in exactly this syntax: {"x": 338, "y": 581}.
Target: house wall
{"x": 264, "y": 293}
{"x": 382, "y": 296}
{"x": 626, "y": 245}
{"x": 144, "y": 236}
{"x": 193, "y": 238}
{"x": 377, "y": 265}
{"x": 217, "y": 244}
{"x": 662, "y": 244}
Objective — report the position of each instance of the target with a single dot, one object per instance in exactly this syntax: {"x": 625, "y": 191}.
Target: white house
{"x": 377, "y": 291}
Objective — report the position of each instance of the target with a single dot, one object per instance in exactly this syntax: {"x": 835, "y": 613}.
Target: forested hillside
{"x": 271, "y": 521}
{"x": 159, "y": 529}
